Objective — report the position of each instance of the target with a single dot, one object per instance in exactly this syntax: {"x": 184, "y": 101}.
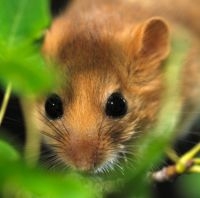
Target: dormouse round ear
{"x": 152, "y": 39}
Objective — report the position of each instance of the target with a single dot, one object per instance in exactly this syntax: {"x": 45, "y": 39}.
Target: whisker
{"x": 100, "y": 128}
{"x": 12, "y": 120}
{"x": 54, "y": 137}
{"x": 65, "y": 135}
{"x": 57, "y": 130}
{"x": 50, "y": 124}
{"x": 65, "y": 128}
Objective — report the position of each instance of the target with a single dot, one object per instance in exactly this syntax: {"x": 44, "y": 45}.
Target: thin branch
{"x": 5, "y": 102}
{"x": 184, "y": 164}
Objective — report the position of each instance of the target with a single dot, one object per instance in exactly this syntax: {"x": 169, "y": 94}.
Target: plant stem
{"x": 33, "y": 137}
{"x": 5, "y": 102}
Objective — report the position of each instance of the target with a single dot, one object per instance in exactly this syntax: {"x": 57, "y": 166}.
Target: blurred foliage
{"x": 38, "y": 183}
{"x": 189, "y": 185}
{"x": 22, "y": 23}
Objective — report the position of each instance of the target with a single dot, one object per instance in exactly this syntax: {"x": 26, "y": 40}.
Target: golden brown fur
{"x": 107, "y": 46}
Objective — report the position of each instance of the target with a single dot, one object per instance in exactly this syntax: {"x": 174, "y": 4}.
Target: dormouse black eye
{"x": 54, "y": 107}
{"x": 116, "y": 105}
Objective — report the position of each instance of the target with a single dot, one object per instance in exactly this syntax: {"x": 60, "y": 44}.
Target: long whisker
{"x": 51, "y": 125}
{"x": 12, "y": 120}
{"x": 100, "y": 128}
{"x": 54, "y": 137}
{"x": 66, "y": 134}
{"x": 58, "y": 130}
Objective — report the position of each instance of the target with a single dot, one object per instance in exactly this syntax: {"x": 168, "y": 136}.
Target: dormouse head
{"x": 112, "y": 90}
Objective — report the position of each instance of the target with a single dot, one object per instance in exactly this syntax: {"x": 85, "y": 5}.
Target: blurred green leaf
{"x": 22, "y": 22}
{"x": 24, "y": 67}
{"x": 40, "y": 183}
{"x": 189, "y": 185}
{"x": 7, "y": 152}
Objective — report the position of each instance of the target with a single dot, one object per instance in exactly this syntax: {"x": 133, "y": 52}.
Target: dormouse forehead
{"x": 93, "y": 53}
{"x": 94, "y": 82}
{"x": 89, "y": 89}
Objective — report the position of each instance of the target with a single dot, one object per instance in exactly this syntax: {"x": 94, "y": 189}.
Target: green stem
{"x": 33, "y": 136}
{"x": 5, "y": 102}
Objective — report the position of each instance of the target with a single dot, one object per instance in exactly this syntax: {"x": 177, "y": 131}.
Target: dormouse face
{"x": 111, "y": 95}
{"x": 90, "y": 124}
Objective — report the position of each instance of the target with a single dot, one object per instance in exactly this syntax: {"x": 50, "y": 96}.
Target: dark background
{"x": 14, "y": 129}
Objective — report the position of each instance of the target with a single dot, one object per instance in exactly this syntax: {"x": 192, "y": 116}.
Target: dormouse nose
{"x": 83, "y": 152}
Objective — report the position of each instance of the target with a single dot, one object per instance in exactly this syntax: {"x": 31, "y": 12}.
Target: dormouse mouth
{"x": 108, "y": 165}
{"x": 113, "y": 162}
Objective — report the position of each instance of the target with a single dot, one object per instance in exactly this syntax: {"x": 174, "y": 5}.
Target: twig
{"x": 184, "y": 164}
{"x": 164, "y": 174}
{"x": 5, "y": 102}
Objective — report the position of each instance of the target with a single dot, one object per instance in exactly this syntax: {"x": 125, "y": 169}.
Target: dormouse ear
{"x": 151, "y": 39}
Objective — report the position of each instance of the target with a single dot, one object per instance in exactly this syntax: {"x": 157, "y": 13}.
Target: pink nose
{"x": 83, "y": 154}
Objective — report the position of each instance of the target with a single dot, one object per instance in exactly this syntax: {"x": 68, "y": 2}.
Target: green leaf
{"x": 188, "y": 185}
{"x": 22, "y": 20}
{"x": 38, "y": 183}
{"x": 25, "y": 68}
{"x": 7, "y": 152}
